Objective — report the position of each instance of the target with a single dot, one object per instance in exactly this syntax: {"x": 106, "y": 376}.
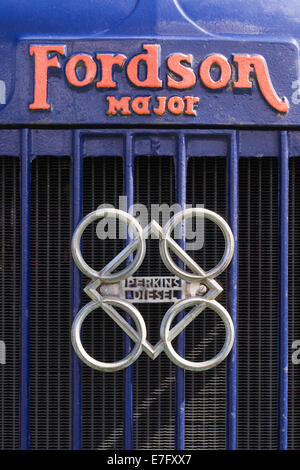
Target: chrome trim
{"x": 197, "y": 278}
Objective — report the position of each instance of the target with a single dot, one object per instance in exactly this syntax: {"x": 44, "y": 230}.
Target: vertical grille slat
{"x": 10, "y": 301}
{"x": 294, "y": 306}
{"x": 76, "y": 214}
{"x": 283, "y": 191}
{"x": 25, "y": 226}
{"x": 232, "y": 281}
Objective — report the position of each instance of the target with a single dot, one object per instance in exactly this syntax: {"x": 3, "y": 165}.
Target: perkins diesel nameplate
{"x": 193, "y": 290}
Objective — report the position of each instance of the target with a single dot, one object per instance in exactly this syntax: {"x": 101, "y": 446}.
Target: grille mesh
{"x": 154, "y": 380}
{"x": 206, "y": 391}
{"x": 102, "y": 423}
{"x": 257, "y": 303}
{"x": 9, "y": 301}
{"x": 294, "y": 305}
{"x": 50, "y": 366}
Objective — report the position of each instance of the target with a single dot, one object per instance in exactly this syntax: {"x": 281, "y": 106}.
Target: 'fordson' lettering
{"x": 105, "y": 70}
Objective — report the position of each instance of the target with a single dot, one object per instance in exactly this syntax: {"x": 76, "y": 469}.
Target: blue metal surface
{"x": 128, "y": 162}
{"x": 283, "y": 292}
{"x": 239, "y": 17}
{"x": 25, "y": 291}
{"x": 232, "y": 177}
{"x": 76, "y": 290}
{"x": 177, "y": 26}
{"x": 181, "y": 166}
{"x": 89, "y": 105}
{"x": 73, "y": 17}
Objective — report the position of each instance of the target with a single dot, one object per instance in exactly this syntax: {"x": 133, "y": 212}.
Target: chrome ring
{"x": 179, "y": 360}
{"x": 106, "y": 366}
{"x": 120, "y": 275}
{"x": 165, "y": 241}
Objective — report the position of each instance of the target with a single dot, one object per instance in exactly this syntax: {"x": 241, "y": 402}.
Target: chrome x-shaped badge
{"x": 106, "y": 290}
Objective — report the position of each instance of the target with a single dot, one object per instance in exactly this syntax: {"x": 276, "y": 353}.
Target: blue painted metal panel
{"x": 239, "y": 17}
{"x": 283, "y": 293}
{"x": 125, "y": 30}
{"x": 181, "y": 168}
{"x": 25, "y": 292}
{"x": 89, "y": 105}
{"x": 232, "y": 177}
{"x": 73, "y": 17}
{"x": 128, "y": 373}
{"x": 76, "y": 290}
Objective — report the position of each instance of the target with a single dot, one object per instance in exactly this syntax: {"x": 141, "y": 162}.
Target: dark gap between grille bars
{"x": 294, "y": 322}
{"x": 206, "y": 391}
{"x": 154, "y": 381}
{"x": 102, "y": 393}
{"x": 50, "y": 316}
{"x": 257, "y": 334}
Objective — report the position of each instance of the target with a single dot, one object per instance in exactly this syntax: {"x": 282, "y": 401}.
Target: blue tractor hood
{"x": 240, "y": 62}
{"x": 21, "y": 18}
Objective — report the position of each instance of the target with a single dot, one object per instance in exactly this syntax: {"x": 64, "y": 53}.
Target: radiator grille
{"x": 154, "y": 381}
{"x": 257, "y": 303}
{"x": 206, "y": 391}
{"x": 102, "y": 423}
{"x": 154, "y": 389}
{"x": 9, "y": 301}
{"x": 50, "y": 350}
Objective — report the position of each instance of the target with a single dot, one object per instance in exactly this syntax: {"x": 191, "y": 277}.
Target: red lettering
{"x": 121, "y": 105}
{"x": 191, "y": 101}
{"x": 246, "y": 65}
{"x": 107, "y": 62}
{"x": 90, "y": 70}
{"x": 161, "y": 108}
{"x": 140, "y": 105}
{"x": 188, "y": 78}
{"x": 41, "y": 64}
{"x": 151, "y": 59}
{"x": 225, "y": 71}
{"x": 176, "y": 105}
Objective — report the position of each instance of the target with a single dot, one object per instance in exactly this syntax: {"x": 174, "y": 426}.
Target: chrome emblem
{"x": 109, "y": 289}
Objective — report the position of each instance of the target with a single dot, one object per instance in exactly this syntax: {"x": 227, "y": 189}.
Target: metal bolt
{"x": 202, "y": 290}
{"x": 104, "y": 290}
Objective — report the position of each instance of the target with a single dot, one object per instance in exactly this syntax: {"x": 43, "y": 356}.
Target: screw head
{"x": 201, "y": 290}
